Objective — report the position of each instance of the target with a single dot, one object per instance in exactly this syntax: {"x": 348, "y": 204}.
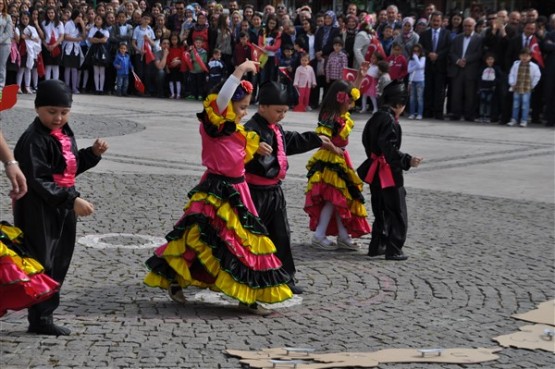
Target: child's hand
{"x": 249, "y": 66}
{"x": 99, "y": 147}
{"x": 415, "y": 161}
{"x": 364, "y": 66}
{"x": 328, "y": 145}
{"x": 264, "y": 149}
{"x": 82, "y": 207}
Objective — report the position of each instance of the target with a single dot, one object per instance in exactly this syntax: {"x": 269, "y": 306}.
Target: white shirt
{"x": 50, "y": 29}
{"x": 466, "y": 41}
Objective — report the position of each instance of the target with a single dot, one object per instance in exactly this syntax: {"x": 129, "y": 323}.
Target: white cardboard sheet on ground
{"x": 281, "y": 357}
{"x": 544, "y": 314}
{"x": 531, "y": 337}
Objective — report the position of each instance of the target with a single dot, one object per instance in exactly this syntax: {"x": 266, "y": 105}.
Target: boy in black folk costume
{"x": 383, "y": 170}
{"x": 47, "y": 214}
{"x": 265, "y": 173}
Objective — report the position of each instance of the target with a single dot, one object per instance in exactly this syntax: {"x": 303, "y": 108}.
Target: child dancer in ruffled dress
{"x": 334, "y": 201}
{"x": 220, "y": 242}
{"x": 22, "y": 279}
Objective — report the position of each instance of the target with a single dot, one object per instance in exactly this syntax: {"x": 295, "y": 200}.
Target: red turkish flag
{"x": 374, "y": 47}
{"x": 284, "y": 71}
{"x": 349, "y": 74}
{"x": 364, "y": 84}
{"x": 149, "y": 55}
{"x": 8, "y": 97}
{"x": 536, "y": 52}
{"x": 186, "y": 62}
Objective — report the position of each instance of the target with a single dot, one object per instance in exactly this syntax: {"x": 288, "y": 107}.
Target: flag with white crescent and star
{"x": 536, "y": 52}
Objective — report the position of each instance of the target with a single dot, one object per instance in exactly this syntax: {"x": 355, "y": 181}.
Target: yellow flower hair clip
{"x": 355, "y": 94}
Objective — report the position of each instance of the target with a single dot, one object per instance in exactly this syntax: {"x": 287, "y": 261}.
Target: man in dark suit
{"x": 465, "y": 56}
{"x": 436, "y": 43}
{"x": 549, "y": 92}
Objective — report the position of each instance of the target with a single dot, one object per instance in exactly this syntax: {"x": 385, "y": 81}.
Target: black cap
{"x": 272, "y": 93}
{"x": 395, "y": 94}
{"x": 53, "y": 92}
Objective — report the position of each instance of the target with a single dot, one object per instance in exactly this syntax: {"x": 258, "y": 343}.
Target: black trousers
{"x": 463, "y": 96}
{"x": 51, "y": 240}
{"x": 271, "y": 206}
{"x": 434, "y": 93}
{"x": 389, "y": 229}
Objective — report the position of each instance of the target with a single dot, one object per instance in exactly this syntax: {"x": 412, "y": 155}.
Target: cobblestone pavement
{"x": 481, "y": 246}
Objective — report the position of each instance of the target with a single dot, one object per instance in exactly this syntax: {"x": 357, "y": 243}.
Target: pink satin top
{"x": 67, "y": 178}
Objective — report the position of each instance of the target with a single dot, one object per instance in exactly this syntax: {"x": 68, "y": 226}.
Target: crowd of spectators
{"x": 457, "y": 65}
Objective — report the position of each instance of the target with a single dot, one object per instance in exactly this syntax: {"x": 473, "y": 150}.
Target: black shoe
{"x": 49, "y": 329}
{"x": 295, "y": 289}
{"x": 380, "y": 250}
{"x": 397, "y": 257}
{"x": 454, "y": 118}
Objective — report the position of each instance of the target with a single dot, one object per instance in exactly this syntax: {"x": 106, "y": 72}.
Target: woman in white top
{"x": 27, "y": 35}
{"x": 6, "y": 34}
{"x": 74, "y": 34}
{"x": 51, "y": 50}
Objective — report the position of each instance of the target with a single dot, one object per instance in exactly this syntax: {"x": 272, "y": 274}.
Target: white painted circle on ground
{"x": 132, "y": 241}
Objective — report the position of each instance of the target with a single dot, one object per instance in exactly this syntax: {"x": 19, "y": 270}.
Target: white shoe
{"x": 254, "y": 309}
{"x": 512, "y": 123}
{"x": 176, "y": 293}
{"x": 419, "y": 117}
{"x": 524, "y": 124}
{"x": 323, "y": 244}
{"x": 347, "y": 244}
{"x": 412, "y": 116}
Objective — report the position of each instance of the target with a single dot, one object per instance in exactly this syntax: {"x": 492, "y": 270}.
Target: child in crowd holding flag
{"x": 143, "y": 34}
{"x": 337, "y": 60}
{"x": 54, "y": 31}
{"x": 305, "y": 80}
{"x": 372, "y": 75}
{"x": 122, "y": 64}
{"x": 270, "y": 41}
{"x": 198, "y": 71}
{"x": 523, "y": 77}
{"x": 175, "y": 66}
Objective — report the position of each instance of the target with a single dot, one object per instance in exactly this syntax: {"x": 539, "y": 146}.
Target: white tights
{"x": 99, "y": 75}
{"x": 52, "y": 72}
{"x": 325, "y": 217}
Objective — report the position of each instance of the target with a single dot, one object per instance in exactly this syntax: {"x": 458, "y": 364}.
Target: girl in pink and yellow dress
{"x": 22, "y": 279}
{"x": 220, "y": 243}
{"x": 334, "y": 201}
